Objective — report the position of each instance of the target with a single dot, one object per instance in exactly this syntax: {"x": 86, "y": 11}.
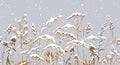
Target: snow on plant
{"x": 53, "y": 20}
{"x": 67, "y": 44}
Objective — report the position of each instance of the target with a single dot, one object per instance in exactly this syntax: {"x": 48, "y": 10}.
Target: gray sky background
{"x": 39, "y": 11}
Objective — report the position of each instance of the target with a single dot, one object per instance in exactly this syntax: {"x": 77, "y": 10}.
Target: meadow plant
{"x": 70, "y": 43}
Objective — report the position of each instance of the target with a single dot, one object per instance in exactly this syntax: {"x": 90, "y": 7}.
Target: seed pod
{"x": 5, "y": 43}
{"x": 13, "y": 39}
{"x": 36, "y": 56}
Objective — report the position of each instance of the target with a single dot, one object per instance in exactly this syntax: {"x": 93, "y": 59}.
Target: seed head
{"x": 13, "y": 39}
{"x": 111, "y": 27}
{"x": 88, "y": 28}
{"x": 34, "y": 29}
{"x": 118, "y": 41}
{"x": 24, "y": 17}
{"x": 9, "y": 29}
{"x": 5, "y": 43}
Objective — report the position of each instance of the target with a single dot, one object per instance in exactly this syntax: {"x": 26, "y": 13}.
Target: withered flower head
{"x": 24, "y": 16}
{"x": 5, "y": 43}
{"x": 13, "y": 39}
{"x": 76, "y": 57}
{"x": 26, "y": 41}
{"x": 92, "y": 47}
